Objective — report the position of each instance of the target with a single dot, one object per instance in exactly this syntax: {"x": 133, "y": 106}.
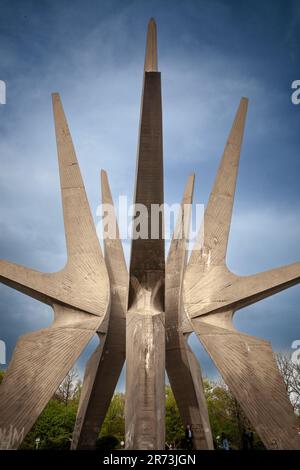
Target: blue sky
{"x": 210, "y": 54}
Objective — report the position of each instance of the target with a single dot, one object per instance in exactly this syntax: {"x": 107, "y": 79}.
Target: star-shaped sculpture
{"x": 146, "y": 315}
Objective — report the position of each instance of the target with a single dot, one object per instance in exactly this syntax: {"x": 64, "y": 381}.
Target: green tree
{"x": 226, "y": 416}
{"x": 174, "y": 427}
{"x": 220, "y": 409}
{"x": 54, "y": 427}
{"x": 114, "y": 423}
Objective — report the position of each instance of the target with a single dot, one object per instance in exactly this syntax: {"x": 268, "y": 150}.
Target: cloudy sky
{"x": 210, "y": 54}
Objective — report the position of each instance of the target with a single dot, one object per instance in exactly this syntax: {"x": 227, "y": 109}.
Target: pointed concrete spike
{"x": 217, "y": 218}
{"x": 40, "y": 362}
{"x": 145, "y": 329}
{"x": 151, "y": 48}
{"x": 178, "y": 248}
{"x": 28, "y": 281}
{"x": 149, "y": 189}
{"x": 113, "y": 249}
{"x": 88, "y": 419}
{"x": 75, "y": 284}
{"x": 105, "y": 366}
{"x": 249, "y": 368}
{"x": 220, "y": 289}
{"x": 75, "y": 204}
{"x": 79, "y": 294}
{"x": 177, "y": 258}
{"x": 250, "y": 289}
{"x": 62, "y": 286}
{"x": 182, "y": 367}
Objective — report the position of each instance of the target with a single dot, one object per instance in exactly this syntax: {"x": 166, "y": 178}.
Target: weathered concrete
{"x": 79, "y": 295}
{"x": 202, "y": 298}
{"x": 145, "y": 329}
{"x": 182, "y": 367}
{"x": 105, "y": 365}
{"x": 212, "y": 294}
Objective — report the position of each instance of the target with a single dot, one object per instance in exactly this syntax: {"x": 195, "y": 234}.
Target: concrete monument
{"x": 145, "y": 316}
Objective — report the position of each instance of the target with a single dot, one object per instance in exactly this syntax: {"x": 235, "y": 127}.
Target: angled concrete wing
{"x": 212, "y": 293}
{"x": 145, "y": 331}
{"x": 217, "y": 217}
{"x": 249, "y": 368}
{"x": 40, "y": 362}
{"x": 105, "y": 365}
{"x": 79, "y": 295}
{"x": 223, "y": 290}
{"x": 182, "y": 366}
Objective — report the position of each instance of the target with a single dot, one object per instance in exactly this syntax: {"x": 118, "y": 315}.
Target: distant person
{"x": 224, "y": 442}
{"x": 250, "y": 438}
{"x": 245, "y": 440}
{"x": 189, "y": 436}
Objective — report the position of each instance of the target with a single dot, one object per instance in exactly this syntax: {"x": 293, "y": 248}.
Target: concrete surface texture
{"x": 146, "y": 315}
{"x": 211, "y": 295}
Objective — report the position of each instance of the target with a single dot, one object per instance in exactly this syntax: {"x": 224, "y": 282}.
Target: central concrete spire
{"x": 145, "y": 331}
{"x": 147, "y": 252}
